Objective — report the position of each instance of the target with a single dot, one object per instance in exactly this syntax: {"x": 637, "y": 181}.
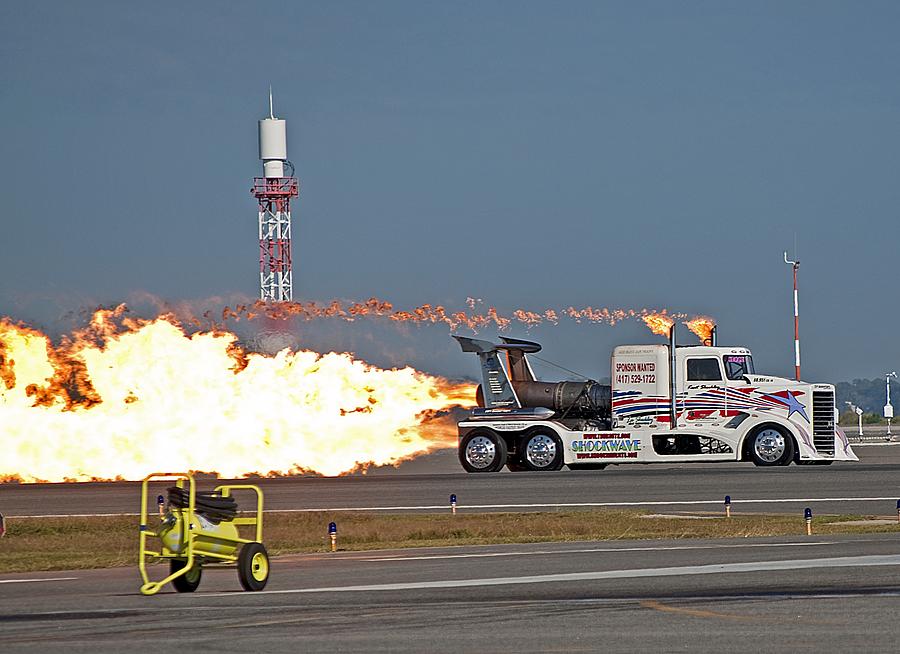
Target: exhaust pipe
{"x": 673, "y": 414}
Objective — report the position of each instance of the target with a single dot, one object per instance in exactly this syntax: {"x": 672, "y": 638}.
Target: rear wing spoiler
{"x": 497, "y": 386}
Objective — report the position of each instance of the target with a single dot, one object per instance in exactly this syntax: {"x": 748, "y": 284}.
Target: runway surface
{"x": 824, "y": 594}
{"x": 427, "y": 483}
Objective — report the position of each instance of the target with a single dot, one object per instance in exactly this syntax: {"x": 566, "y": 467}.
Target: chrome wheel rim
{"x": 769, "y": 445}
{"x": 540, "y": 451}
{"x": 480, "y": 452}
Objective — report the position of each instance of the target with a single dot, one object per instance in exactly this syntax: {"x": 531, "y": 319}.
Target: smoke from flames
{"x": 124, "y": 398}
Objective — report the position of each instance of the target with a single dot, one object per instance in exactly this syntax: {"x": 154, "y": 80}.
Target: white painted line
{"x": 725, "y": 568}
{"x": 548, "y": 505}
{"x": 594, "y": 550}
{"x": 33, "y": 581}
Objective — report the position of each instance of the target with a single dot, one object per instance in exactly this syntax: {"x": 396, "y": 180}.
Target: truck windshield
{"x": 738, "y": 365}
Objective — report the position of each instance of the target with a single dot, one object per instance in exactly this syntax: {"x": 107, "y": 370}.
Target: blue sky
{"x": 532, "y": 154}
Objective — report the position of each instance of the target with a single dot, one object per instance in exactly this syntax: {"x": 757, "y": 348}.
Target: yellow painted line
{"x": 697, "y": 613}
{"x": 703, "y": 613}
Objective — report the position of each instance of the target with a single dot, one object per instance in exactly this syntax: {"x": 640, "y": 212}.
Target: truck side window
{"x": 703, "y": 370}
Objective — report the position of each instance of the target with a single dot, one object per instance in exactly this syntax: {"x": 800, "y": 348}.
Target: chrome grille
{"x": 823, "y": 421}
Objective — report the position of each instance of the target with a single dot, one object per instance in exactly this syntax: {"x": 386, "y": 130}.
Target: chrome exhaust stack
{"x": 673, "y": 414}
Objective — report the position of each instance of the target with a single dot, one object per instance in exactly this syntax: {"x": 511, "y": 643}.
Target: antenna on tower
{"x": 271, "y": 112}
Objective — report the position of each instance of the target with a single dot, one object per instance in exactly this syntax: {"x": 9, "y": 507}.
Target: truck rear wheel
{"x": 482, "y": 451}
{"x": 541, "y": 449}
{"x": 771, "y": 446}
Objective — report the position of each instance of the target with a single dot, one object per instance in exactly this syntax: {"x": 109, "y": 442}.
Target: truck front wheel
{"x": 771, "y": 446}
{"x": 482, "y": 451}
{"x": 541, "y": 450}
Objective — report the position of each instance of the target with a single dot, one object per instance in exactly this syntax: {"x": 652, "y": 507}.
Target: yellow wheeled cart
{"x": 197, "y": 530}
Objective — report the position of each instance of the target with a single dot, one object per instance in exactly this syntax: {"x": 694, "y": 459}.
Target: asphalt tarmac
{"x": 823, "y": 594}
{"x": 425, "y": 485}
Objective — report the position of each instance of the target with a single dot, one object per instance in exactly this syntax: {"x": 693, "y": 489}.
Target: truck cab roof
{"x": 683, "y": 350}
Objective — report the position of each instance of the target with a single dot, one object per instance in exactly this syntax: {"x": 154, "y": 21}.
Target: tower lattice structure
{"x": 275, "y": 271}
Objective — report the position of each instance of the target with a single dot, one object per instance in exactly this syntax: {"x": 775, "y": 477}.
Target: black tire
{"x": 541, "y": 449}
{"x": 188, "y": 582}
{"x": 253, "y": 566}
{"x": 482, "y": 450}
{"x": 587, "y": 466}
{"x": 771, "y": 445}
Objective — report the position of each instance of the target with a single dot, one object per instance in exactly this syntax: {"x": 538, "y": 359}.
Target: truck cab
{"x": 717, "y": 388}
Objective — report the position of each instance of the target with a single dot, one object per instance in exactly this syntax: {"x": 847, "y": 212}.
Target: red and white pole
{"x": 796, "y": 266}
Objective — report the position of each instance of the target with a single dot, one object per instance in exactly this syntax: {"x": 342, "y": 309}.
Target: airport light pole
{"x": 888, "y": 408}
{"x": 796, "y": 266}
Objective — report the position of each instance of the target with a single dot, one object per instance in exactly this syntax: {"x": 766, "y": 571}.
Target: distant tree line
{"x": 869, "y": 395}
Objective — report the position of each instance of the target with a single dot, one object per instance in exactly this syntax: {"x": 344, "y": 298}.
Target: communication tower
{"x": 274, "y": 191}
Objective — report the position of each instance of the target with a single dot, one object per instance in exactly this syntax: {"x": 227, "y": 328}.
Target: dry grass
{"x": 73, "y": 543}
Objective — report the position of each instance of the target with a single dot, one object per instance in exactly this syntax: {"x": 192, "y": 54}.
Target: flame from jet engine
{"x": 702, "y": 326}
{"x": 659, "y": 323}
{"x": 432, "y": 314}
{"x": 125, "y": 397}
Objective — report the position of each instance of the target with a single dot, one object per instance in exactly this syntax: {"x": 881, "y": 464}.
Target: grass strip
{"x": 44, "y": 544}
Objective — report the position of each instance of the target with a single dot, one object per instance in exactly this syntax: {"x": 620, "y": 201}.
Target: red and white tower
{"x": 274, "y": 191}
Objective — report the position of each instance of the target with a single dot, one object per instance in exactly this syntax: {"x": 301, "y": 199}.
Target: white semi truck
{"x": 723, "y": 411}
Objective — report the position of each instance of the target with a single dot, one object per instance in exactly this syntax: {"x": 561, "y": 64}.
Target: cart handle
{"x": 226, "y": 489}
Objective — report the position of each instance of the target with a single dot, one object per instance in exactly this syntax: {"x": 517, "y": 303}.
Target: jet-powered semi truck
{"x": 723, "y": 411}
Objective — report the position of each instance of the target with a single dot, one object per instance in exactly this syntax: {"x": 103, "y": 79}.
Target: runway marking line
{"x": 548, "y": 505}
{"x": 427, "y": 557}
{"x": 32, "y": 581}
{"x": 656, "y": 605}
{"x": 697, "y": 613}
{"x": 719, "y": 568}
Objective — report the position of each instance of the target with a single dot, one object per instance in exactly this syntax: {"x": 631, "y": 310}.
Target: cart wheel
{"x": 186, "y": 583}
{"x": 253, "y": 566}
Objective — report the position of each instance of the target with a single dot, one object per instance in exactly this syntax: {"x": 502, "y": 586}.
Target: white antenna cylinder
{"x": 273, "y": 146}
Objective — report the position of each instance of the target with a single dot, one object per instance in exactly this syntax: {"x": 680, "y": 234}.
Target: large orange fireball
{"x": 125, "y": 398}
